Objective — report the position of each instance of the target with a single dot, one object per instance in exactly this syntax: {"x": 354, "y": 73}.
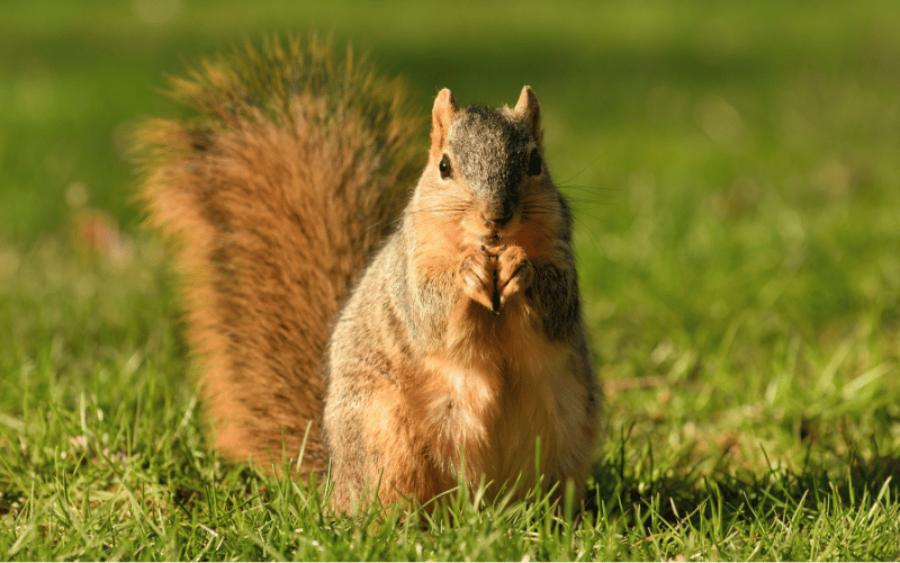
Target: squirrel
{"x": 406, "y": 342}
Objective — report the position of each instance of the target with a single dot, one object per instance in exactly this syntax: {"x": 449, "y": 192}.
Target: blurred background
{"x": 733, "y": 168}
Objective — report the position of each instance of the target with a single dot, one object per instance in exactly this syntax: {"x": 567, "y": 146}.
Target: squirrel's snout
{"x": 497, "y": 218}
{"x": 497, "y": 222}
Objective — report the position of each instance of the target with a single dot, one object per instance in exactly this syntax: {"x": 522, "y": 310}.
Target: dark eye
{"x": 444, "y": 167}
{"x": 534, "y": 164}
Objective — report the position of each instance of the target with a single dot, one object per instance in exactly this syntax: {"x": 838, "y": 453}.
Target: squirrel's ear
{"x": 529, "y": 110}
{"x": 441, "y": 117}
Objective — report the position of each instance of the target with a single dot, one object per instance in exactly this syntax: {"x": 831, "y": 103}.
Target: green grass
{"x": 735, "y": 177}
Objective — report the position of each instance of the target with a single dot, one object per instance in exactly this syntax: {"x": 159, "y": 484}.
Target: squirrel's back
{"x": 278, "y": 186}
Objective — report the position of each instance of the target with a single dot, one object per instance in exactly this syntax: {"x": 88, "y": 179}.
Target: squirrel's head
{"x": 486, "y": 172}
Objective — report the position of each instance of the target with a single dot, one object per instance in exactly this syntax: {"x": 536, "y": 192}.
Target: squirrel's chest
{"x": 494, "y": 410}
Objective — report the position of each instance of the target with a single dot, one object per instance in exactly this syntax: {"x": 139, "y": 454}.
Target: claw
{"x": 496, "y": 301}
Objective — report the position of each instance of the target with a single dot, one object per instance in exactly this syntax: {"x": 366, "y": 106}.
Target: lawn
{"x": 734, "y": 173}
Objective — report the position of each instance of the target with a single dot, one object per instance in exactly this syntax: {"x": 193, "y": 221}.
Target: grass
{"x": 734, "y": 174}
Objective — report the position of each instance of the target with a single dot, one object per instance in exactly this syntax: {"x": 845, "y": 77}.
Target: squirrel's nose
{"x": 499, "y": 218}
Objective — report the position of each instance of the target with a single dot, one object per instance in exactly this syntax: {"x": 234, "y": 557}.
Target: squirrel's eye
{"x": 444, "y": 167}
{"x": 534, "y": 164}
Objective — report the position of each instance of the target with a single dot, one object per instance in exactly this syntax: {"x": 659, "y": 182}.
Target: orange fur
{"x": 276, "y": 205}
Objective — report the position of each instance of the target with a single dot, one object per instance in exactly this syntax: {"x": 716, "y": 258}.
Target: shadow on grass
{"x": 687, "y": 496}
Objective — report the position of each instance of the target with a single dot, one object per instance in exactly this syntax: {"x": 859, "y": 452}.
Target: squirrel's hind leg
{"x": 376, "y": 444}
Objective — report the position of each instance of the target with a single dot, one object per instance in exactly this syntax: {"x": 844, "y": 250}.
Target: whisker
{"x": 438, "y": 210}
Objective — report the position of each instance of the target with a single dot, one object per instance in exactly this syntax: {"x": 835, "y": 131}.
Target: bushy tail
{"x": 289, "y": 170}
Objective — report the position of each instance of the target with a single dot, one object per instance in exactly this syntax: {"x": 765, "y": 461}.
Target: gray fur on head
{"x": 491, "y": 153}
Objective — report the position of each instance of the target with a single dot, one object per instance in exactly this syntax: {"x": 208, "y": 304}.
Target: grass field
{"x": 734, "y": 171}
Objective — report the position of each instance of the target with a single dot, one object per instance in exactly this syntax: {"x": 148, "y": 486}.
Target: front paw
{"x": 477, "y": 273}
{"x": 515, "y": 273}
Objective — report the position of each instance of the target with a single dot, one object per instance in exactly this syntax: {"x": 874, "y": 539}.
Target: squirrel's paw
{"x": 515, "y": 273}
{"x": 476, "y": 274}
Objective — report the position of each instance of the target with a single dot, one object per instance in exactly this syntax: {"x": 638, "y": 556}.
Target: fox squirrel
{"x": 407, "y": 341}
